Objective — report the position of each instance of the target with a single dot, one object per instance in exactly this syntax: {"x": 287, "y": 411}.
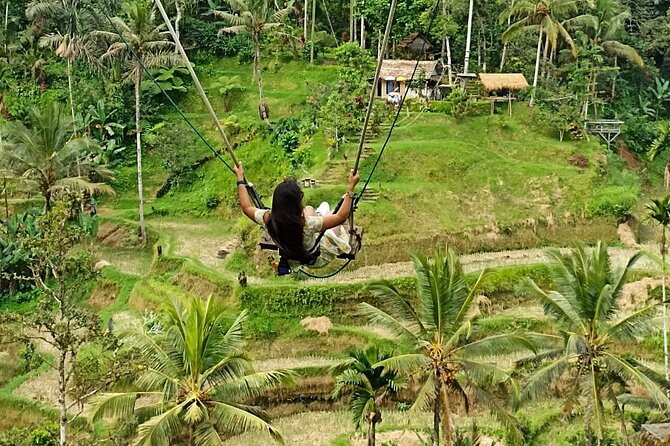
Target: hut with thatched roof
{"x": 655, "y": 434}
{"x": 500, "y": 87}
{"x": 396, "y": 74}
{"x": 415, "y": 46}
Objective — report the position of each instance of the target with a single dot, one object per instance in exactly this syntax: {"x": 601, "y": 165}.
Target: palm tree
{"x": 197, "y": 378}
{"x": 445, "y": 357}
{"x": 369, "y": 386}
{"x": 660, "y": 144}
{"x": 659, "y": 211}
{"x": 255, "y": 17}
{"x": 72, "y": 40}
{"x": 604, "y": 26}
{"x": 585, "y": 304}
{"x": 47, "y": 158}
{"x": 547, "y": 16}
{"x": 140, "y": 43}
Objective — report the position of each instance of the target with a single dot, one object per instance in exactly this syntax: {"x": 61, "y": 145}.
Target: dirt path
{"x": 471, "y": 262}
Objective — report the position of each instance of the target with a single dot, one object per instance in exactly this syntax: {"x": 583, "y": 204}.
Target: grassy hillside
{"x": 485, "y": 183}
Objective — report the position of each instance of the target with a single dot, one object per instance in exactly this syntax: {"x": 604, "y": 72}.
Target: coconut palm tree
{"x": 47, "y": 158}
{"x": 659, "y": 211}
{"x": 547, "y": 16}
{"x": 197, "y": 378}
{"x": 585, "y": 304}
{"x": 71, "y": 41}
{"x": 369, "y": 386}
{"x": 605, "y": 26}
{"x": 255, "y": 17}
{"x": 450, "y": 364}
{"x": 138, "y": 41}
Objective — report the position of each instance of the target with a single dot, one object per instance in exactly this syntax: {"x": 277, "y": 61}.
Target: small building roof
{"x": 405, "y": 68}
{"x": 659, "y": 431}
{"x": 503, "y": 81}
{"x": 409, "y": 40}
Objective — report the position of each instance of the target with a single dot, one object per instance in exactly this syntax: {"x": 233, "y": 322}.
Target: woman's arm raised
{"x": 335, "y": 220}
{"x": 245, "y": 202}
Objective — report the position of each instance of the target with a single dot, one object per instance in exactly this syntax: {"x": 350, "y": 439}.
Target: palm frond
{"x": 634, "y": 371}
{"x": 399, "y": 328}
{"x": 159, "y": 429}
{"x": 406, "y": 363}
{"x": 497, "y": 345}
{"x": 238, "y": 418}
{"x": 540, "y": 381}
{"x": 623, "y": 51}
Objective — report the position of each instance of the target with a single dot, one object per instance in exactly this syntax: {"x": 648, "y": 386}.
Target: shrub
{"x": 613, "y": 201}
{"x": 286, "y": 133}
{"x": 445, "y": 107}
{"x": 212, "y": 201}
{"x": 458, "y": 99}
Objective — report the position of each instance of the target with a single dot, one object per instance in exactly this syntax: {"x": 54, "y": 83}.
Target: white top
{"x": 310, "y": 233}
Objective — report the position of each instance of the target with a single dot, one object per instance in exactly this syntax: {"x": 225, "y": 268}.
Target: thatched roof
{"x": 503, "y": 81}
{"x": 655, "y": 434}
{"x": 405, "y": 68}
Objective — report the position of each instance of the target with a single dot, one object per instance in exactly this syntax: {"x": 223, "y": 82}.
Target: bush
{"x": 445, "y": 107}
{"x": 205, "y": 36}
{"x": 286, "y": 133}
{"x": 212, "y": 201}
{"x": 613, "y": 201}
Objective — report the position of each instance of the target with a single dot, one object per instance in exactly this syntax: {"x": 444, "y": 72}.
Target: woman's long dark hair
{"x": 286, "y": 222}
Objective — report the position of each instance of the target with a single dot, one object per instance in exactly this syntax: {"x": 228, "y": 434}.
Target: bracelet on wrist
{"x": 242, "y": 182}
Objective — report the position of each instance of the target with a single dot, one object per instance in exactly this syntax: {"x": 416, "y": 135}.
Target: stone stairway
{"x": 370, "y": 195}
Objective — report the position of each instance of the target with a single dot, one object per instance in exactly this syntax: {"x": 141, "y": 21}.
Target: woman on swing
{"x": 294, "y": 227}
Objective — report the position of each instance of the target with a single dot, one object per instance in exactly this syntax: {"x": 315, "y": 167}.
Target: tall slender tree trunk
{"x": 447, "y": 425}
{"x": 74, "y": 118}
{"x": 177, "y": 20}
{"x": 305, "y": 22}
{"x": 537, "y": 67}
{"x": 311, "y": 44}
{"x": 62, "y": 389}
{"x": 450, "y": 69}
{"x": 468, "y": 42}
{"x": 616, "y": 66}
{"x": 138, "y": 138}
{"x": 545, "y": 57}
{"x": 436, "y": 419}
{"x": 5, "y": 193}
{"x": 588, "y": 412}
{"x": 373, "y": 418}
{"x": 352, "y": 37}
{"x": 6, "y": 29}
{"x": 665, "y": 306}
{"x": 262, "y": 107}
{"x": 362, "y": 30}
{"x": 506, "y": 45}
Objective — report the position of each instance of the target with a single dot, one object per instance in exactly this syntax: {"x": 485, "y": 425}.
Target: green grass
{"x": 477, "y": 180}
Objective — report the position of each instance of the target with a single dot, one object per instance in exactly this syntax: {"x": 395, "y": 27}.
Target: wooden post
{"x": 197, "y": 83}
{"x": 493, "y": 105}
{"x": 509, "y": 103}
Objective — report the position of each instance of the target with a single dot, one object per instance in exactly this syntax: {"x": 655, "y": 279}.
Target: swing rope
{"x": 397, "y": 114}
{"x": 367, "y": 119}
